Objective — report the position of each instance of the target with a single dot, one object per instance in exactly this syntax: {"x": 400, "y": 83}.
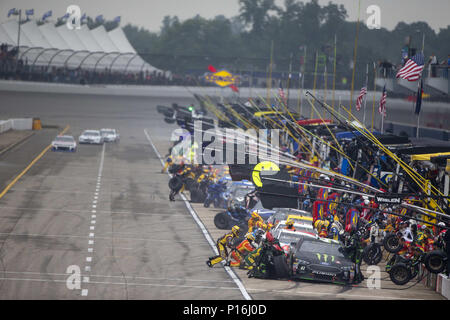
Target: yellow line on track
{"x": 9, "y": 186}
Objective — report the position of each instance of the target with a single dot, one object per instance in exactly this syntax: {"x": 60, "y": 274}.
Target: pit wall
{"x": 16, "y": 124}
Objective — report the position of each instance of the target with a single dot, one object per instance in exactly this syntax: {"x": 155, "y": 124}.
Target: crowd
{"x": 12, "y": 68}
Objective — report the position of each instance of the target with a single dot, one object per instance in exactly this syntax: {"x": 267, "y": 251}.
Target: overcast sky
{"x": 149, "y": 13}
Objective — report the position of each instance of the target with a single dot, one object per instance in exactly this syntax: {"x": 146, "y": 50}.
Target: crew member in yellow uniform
{"x": 222, "y": 243}
{"x": 253, "y": 221}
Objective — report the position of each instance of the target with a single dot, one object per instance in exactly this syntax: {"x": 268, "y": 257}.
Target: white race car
{"x": 109, "y": 135}
{"x": 66, "y": 143}
{"x": 91, "y": 136}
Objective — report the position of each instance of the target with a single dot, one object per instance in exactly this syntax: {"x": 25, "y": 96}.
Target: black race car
{"x": 319, "y": 259}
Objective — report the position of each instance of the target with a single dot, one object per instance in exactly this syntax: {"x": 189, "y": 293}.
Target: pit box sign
{"x": 386, "y": 198}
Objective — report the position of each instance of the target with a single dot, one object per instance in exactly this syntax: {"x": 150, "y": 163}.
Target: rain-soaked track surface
{"x": 105, "y": 210}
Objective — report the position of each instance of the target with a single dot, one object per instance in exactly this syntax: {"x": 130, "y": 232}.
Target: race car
{"x": 319, "y": 259}
{"x": 66, "y": 143}
{"x": 109, "y": 135}
{"x": 91, "y": 137}
{"x": 284, "y": 213}
{"x": 288, "y": 238}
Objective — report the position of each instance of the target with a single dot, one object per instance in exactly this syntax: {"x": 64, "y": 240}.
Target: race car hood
{"x": 63, "y": 143}
{"x": 324, "y": 259}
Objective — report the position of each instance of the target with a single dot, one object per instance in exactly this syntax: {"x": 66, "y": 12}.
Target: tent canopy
{"x": 47, "y": 45}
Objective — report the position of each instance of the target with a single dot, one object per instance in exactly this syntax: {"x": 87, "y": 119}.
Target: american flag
{"x": 412, "y": 70}
{"x": 281, "y": 94}
{"x": 360, "y": 98}
{"x": 382, "y": 107}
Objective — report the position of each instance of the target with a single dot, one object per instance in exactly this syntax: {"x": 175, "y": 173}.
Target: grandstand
{"x": 49, "y": 46}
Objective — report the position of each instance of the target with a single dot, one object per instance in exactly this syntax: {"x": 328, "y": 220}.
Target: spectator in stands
{"x": 433, "y": 62}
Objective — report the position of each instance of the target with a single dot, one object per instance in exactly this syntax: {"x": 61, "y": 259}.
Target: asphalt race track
{"x": 104, "y": 211}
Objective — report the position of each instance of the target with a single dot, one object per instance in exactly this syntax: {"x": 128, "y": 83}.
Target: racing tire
{"x": 221, "y": 221}
{"x": 400, "y": 274}
{"x": 414, "y": 271}
{"x": 435, "y": 261}
{"x": 372, "y": 254}
{"x": 391, "y": 243}
{"x": 281, "y": 267}
{"x": 175, "y": 183}
{"x": 207, "y": 202}
{"x": 169, "y": 120}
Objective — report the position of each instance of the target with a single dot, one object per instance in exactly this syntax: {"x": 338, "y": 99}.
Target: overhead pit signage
{"x": 384, "y": 198}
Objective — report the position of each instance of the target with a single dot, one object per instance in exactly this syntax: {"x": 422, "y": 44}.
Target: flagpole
{"x": 302, "y": 72}
{"x": 269, "y": 84}
{"x": 315, "y": 81}
{"x": 383, "y": 110}
{"x": 418, "y": 89}
{"x": 367, "y": 90}
{"x": 18, "y": 38}
{"x": 334, "y": 70}
{"x": 374, "y": 90}
{"x": 289, "y": 79}
{"x": 354, "y": 58}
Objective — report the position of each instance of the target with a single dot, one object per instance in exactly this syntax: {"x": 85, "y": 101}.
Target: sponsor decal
{"x": 388, "y": 199}
{"x": 325, "y": 257}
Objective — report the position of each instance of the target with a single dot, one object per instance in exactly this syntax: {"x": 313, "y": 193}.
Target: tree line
{"x": 243, "y": 43}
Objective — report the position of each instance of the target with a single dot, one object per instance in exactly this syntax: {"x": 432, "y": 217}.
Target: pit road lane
{"x": 144, "y": 246}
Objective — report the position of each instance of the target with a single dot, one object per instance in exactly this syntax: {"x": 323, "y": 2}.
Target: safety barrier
{"x": 443, "y": 285}
{"x": 16, "y": 124}
{"x": 5, "y": 125}
{"x": 22, "y": 124}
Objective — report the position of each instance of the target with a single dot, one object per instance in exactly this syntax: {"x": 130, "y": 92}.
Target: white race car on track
{"x": 110, "y": 135}
{"x": 64, "y": 143}
{"x": 91, "y": 136}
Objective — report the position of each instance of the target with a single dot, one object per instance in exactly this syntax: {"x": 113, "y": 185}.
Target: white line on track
{"x": 118, "y": 276}
{"x": 84, "y": 292}
{"x": 148, "y": 214}
{"x": 205, "y": 232}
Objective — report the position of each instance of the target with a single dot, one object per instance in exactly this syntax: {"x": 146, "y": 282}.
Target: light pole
{"x": 18, "y": 13}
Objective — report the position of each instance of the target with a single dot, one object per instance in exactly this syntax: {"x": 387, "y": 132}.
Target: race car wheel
{"x": 372, "y": 254}
{"x": 435, "y": 261}
{"x": 391, "y": 243}
{"x": 169, "y": 120}
{"x": 189, "y": 182}
{"x": 400, "y": 274}
{"x": 281, "y": 267}
{"x": 175, "y": 183}
{"x": 221, "y": 220}
{"x": 414, "y": 271}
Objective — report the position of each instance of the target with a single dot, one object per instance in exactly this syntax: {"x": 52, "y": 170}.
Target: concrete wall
{"x": 443, "y": 286}
{"x": 159, "y": 91}
{"x": 5, "y": 125}
{"x": 16, "y": 124}
{"x": 22, "y": 124}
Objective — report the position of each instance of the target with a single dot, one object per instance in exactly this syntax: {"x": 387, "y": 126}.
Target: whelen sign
{"x": 383, "y": 198}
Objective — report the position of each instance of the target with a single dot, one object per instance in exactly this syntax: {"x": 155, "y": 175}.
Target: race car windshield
{"x": 64, "y": 139}
{"x": 289, "y": 237}
{"x": 318, "y": 246}
{"x": 108, "y": 132}
{"x": 91, "y": 133}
